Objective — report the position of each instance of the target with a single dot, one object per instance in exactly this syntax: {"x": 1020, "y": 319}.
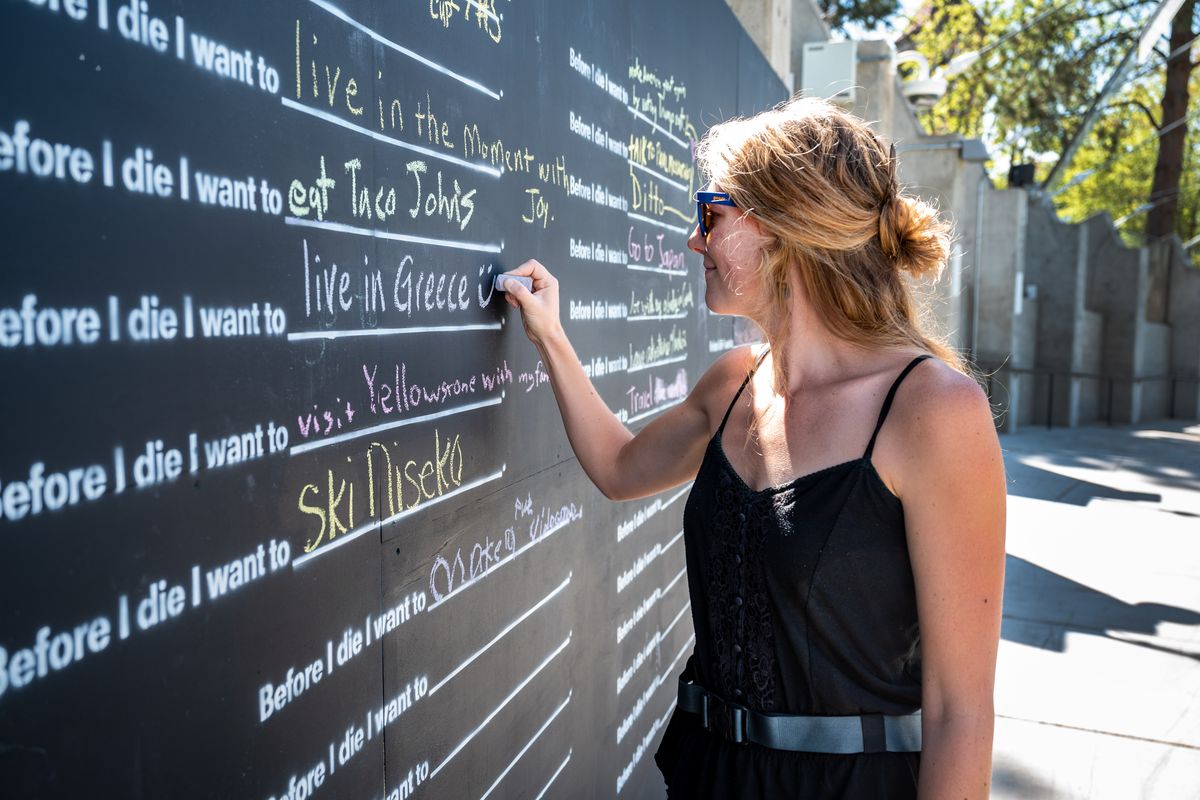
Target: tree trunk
{"x": 1164, "y": 193}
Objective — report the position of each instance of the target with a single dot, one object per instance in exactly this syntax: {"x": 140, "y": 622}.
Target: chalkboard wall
{"x": 286, "y": 508}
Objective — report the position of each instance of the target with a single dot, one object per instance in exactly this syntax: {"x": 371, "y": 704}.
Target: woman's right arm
{"x": 666, "y": 453}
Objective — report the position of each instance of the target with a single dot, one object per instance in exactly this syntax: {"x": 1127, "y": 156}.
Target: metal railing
{"x": 1108, "y": 381}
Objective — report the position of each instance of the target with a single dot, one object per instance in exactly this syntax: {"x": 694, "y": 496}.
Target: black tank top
{"x": 802, "y": 595}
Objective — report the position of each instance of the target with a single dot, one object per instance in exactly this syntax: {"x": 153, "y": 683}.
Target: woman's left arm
{"x": 952, "y": 484}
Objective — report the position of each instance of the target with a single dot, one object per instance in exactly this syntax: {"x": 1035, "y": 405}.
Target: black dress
{"x": 803, "y": 603}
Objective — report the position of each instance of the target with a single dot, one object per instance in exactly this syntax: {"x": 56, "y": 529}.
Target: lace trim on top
{"x": 740, "y": 619}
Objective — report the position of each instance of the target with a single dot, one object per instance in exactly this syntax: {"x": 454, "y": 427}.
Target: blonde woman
{"x": 845, "y": 532}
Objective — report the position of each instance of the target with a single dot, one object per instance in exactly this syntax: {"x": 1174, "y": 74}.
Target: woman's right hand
{"x": 539, "y": 308}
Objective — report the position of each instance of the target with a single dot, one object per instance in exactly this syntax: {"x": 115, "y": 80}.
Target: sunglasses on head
{"x": 704, "y": 214}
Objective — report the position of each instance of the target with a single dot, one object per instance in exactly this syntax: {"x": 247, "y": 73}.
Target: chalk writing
{"x": 656, "y": 395}
{"x": 650, "y": 304}
{"x": 483, "y": 12}
{"x": 663, "y": 348}
{"x": 533, "y": 378}
{"x": 407, "y": 486}
{"x": 646, "y": 151}
{"x": 651, "y": 253}
{"x": 398, "y": 289}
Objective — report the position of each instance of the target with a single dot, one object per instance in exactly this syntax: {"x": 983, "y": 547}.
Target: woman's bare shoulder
{"x": 941, "y": 419}
{"x": 717, "y": 386}
{"x": 937, "y": 394}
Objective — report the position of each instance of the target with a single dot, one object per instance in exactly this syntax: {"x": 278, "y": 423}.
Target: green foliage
{"x": 1027, "y": 97}
{"x": 867, "y": 13}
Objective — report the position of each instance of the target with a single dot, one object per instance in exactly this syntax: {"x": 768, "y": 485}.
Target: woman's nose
{"x": 696, "y": 242}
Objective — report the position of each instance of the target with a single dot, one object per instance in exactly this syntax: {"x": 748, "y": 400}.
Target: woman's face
{"x": 732, "y": 253}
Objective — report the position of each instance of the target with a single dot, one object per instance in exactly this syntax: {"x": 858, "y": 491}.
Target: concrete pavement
{"x": 1098, "y": 678}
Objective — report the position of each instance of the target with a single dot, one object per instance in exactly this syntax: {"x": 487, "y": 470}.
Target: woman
{"x": 846, "y": 575}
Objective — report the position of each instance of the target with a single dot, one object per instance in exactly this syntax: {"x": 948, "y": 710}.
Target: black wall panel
{"x": 286, "y": 508}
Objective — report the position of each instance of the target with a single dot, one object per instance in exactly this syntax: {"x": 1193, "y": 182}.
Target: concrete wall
{"x": 769, "y": 23}
{"x": 1006, "y": 322}
{"x": 1118, "y": 280}
{"x": 1183, "y": 315}
{"x": 807, "y": 25}
{"x": 1056, "y": 270}
{"x": 1092, "y": 392}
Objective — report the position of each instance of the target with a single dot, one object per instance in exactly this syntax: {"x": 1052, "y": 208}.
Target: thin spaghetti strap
{"x": 887, "y": 403}
{"x": 741, "y": 389}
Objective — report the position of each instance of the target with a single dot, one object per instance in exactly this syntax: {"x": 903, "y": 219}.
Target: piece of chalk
{"x": 500, "y": 279}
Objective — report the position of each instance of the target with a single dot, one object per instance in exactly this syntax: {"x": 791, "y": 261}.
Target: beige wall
{"x": 769, "y": 23}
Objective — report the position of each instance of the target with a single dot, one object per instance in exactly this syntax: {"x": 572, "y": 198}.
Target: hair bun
{"x": 913, "y": 236}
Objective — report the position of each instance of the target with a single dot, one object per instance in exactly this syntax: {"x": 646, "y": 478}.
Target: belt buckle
{"x": 727, "y": 720}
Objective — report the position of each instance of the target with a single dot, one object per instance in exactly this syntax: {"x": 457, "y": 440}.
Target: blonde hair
{"x": 823, "y": 188}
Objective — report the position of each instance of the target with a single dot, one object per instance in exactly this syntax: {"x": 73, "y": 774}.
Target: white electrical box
{"x": 827, "y": 70}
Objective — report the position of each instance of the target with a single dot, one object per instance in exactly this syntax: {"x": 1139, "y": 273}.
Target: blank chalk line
{"x": 340, "y": 227}
{"x": 678, "y": 617}
{"x": 463, "y": 586}
{"x": 361, "y": 529}
{"x": 379, "y": 137}
{"x": 660, "y": 270}
{"x": 657, "y": 127}
{"x": 307, "y": 335}
{"x": 528, "y": 744}
{"x": 665, "y": 675}
{"x": 657, "y": 174}
{"x": 384, "y": 426}
{"x": 337, "y": 12}
{"x": 677, "y": 495}
{"x": 661, "y": 362}
{"x": 554, "y": 777}
{"x": 663, "y": 719}
{"x": 649, "y": 317}
{"x": 674, "y": 539}
{"x": 675, "y": 580}
{"x": 500, "y": 707}
{"x": 654, "y": 411}
{"x": 677, "y": 228}
{"x": 508, "y": 629}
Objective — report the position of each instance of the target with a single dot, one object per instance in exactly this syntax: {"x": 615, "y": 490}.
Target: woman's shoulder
{"x": 720, "y": 382}
{"x": 935, "y": 393}
{"x": 940, "y": 417}
{"x": 735, "y": 364}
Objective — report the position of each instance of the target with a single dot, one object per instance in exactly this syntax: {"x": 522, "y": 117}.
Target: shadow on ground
{"x": 1031, "y": 482}
{"x": 1041, "y": 607}
{"x": 1013, "y": 778}
{"x": 1166, "y": 455}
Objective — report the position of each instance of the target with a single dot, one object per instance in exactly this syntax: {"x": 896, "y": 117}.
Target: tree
{"x": 867, "y": 13}
{"x": 1028, "y": 96}
{"x": 1168, "y": 169}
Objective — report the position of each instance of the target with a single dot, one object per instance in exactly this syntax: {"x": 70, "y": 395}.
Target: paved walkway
{"x": 1098, "y": 679}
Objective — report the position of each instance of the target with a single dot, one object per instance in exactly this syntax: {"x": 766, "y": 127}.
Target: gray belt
{"x": 867, "y": 733}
